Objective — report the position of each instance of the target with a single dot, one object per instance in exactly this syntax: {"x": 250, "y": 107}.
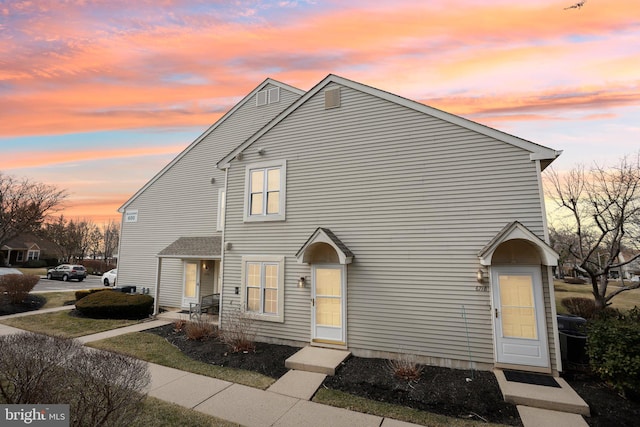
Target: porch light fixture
{"x": 302, "y": 282}
{"x": 480, "y": 275}
{"x": 228, "y": 245}
{"x": 261, "y": 151}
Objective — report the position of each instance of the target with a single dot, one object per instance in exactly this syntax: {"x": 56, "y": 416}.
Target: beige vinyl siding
{"x": 415, "y": 198}
{"x": 182, "y": 201}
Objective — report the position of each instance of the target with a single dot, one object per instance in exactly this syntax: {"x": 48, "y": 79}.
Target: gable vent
{"x": 332, "y": 98}
{"x": 274, "y": 95}
{"x": 261, "y": 98}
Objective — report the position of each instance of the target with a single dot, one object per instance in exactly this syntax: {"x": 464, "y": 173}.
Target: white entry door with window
{"x": 519, "y": 316}
{"x": 328, "y": 300}
{"x": 191, "y": 290}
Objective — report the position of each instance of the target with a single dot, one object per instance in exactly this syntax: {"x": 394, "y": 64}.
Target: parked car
{"x": 109, "y": 278}
{"x": 67, "y": 272}
{"x": 635, "y": 278}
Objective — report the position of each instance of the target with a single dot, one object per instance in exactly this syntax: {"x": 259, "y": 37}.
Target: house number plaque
{"x": 482, "y": 288}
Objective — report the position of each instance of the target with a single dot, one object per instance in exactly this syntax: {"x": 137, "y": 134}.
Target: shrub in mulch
{"x": 613, "y": 345}
{"x": 86, "y": 292}
{"x": 115, "y": 305}
{"x": 199, "y": 330}
{"x": 17, "y": 286}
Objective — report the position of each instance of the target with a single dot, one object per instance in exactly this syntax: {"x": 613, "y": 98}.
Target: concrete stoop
{"x": 316, "y": 359}
{"x": 563, "y": 399}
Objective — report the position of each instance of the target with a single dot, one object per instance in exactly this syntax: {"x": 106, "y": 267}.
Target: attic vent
{"x": 274, "y": 95}
{"x": 332, "y": 98}
{"x": 261, "y": 98}
{"x": 268, "y": 96}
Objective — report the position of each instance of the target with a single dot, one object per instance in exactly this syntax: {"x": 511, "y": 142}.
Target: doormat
{"x": 529, "y": 378}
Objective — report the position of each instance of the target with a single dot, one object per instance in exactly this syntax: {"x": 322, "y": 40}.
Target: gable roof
{"x": 324, "y": 235}
{"x": 204, "y": 247}
{"x": 538, "y": 152}
{"x": 28, "y": 241}
{"x": 206, "y": 133}
{"x": 515, "y": 230}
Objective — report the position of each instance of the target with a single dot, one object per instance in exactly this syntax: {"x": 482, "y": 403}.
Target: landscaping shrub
{"x": 102, "y": 388}
{"x": 96, "y": 266}
{"x": 35, "y": 263}
{"x": 238, "y": 331}
{"x": 583, "y": 307}
{"x": 574, "y": 281}
{"x": 179, "y": 325}
{"x": 199, "y": 330}
{"x": 613, "y": 345}
{"x": 17, "y": 286}
{"x": 110, "y": 304}
{"x": 405, "y": 367}
{"x": 84, "y": 292}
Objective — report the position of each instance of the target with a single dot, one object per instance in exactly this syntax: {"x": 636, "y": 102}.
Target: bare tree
{"x": 601, "y": 209}
{"x": 110, "y": 239}
{"x": 24, "y": 205}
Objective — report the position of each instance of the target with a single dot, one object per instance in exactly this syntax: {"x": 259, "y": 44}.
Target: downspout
{"x": 224, "y": 227}
{"x": 156, "y": 304}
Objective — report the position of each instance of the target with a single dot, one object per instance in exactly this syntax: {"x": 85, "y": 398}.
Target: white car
{"x": 635, "y": 278}
{"x": 109, "y": 278}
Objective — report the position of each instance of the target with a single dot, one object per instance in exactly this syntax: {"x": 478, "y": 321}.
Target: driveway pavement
{"x": 46, "y": 285}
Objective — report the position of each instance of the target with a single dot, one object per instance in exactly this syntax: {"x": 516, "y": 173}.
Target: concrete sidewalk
{"x": 238, "y": 403}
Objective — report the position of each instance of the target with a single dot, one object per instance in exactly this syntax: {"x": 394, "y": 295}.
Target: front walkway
{"x": 287, "y": 401}
{"x": 238, "y": 403}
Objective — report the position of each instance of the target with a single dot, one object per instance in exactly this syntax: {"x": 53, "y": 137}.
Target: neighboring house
{"x": 27, "y": 247}
{"x": 359, "y": 219}
{"x": 171, "y": 231}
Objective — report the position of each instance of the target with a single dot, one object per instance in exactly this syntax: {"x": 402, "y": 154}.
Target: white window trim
{"x": 36, "y": 255}
{"x": 274, "y": 259}
{"x": 282, "y": 164}
{"x": 222, "y": 201}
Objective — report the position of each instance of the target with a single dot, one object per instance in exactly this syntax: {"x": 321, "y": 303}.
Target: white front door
{"x": 328, "y": 296}
{"x": 191, "y": 290}
{"x": 520, "y": 326}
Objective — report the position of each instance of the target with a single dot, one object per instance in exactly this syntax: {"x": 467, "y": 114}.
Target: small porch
{"x": 199, "y": 287}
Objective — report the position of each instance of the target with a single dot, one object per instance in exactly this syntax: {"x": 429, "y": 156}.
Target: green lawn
{"x": 159, "y": 413}
{"x": 348, "y": 401}
{"x": 624, "y": 301}
{"x": 58, "y": 299}
{"x": 62, "y": 324}
{"x": 155, "y": 349}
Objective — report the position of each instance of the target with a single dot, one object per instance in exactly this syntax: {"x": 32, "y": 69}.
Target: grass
{"x": 37, "y": 271}
{"x": 62, "y": 324}
{"x": 155, "y": 349}
{"x": 624, "y": 301}
{"x": 348, "y": 401}
{"x": 57, "y": 299}
{"x": 159, "y": 413}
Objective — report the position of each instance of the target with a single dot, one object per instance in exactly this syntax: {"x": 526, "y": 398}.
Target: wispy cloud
{"x": 74, "y": 67}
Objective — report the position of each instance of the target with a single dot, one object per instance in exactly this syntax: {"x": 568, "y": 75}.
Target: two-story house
{"x": 354, "y": 218}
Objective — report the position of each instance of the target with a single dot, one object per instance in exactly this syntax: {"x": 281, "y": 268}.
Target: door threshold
{"x": 338, "y": 345}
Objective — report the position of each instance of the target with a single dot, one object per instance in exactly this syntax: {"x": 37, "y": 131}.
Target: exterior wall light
{"x": 480, "y": 275}
{"x": 302, "y": 282}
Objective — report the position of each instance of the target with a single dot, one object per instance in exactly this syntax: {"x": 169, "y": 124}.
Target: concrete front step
{"x": 536, "y": 417}
{"x": 563, "y": 399}
{"x": 316, "y": 359}
{"x": 299, "y": 384}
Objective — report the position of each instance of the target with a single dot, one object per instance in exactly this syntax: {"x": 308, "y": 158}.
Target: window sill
{"x": 264, "y": 218}
{"x": 267, "y": 317}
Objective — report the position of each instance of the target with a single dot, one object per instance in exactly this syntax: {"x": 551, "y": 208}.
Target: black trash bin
{"x": 572, "y": 332}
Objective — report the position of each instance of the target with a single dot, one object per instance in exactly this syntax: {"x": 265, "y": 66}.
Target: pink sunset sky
{"x": 97, "y": 96}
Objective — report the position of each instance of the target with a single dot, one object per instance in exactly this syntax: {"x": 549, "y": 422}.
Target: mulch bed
{"x": 439, "y": 390}
{"x": 31, "y": 303}
{"x": 608, "y": 408}
{"x": 450, "y": 392}
{"x": 267, "y": 359}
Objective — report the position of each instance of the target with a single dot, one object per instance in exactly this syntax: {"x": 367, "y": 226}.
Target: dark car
{"x": 67, "y": 272}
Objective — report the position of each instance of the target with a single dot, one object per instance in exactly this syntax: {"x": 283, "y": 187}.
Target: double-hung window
{"x": 265, "y": 192}
{"x": 263, "y": 279}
